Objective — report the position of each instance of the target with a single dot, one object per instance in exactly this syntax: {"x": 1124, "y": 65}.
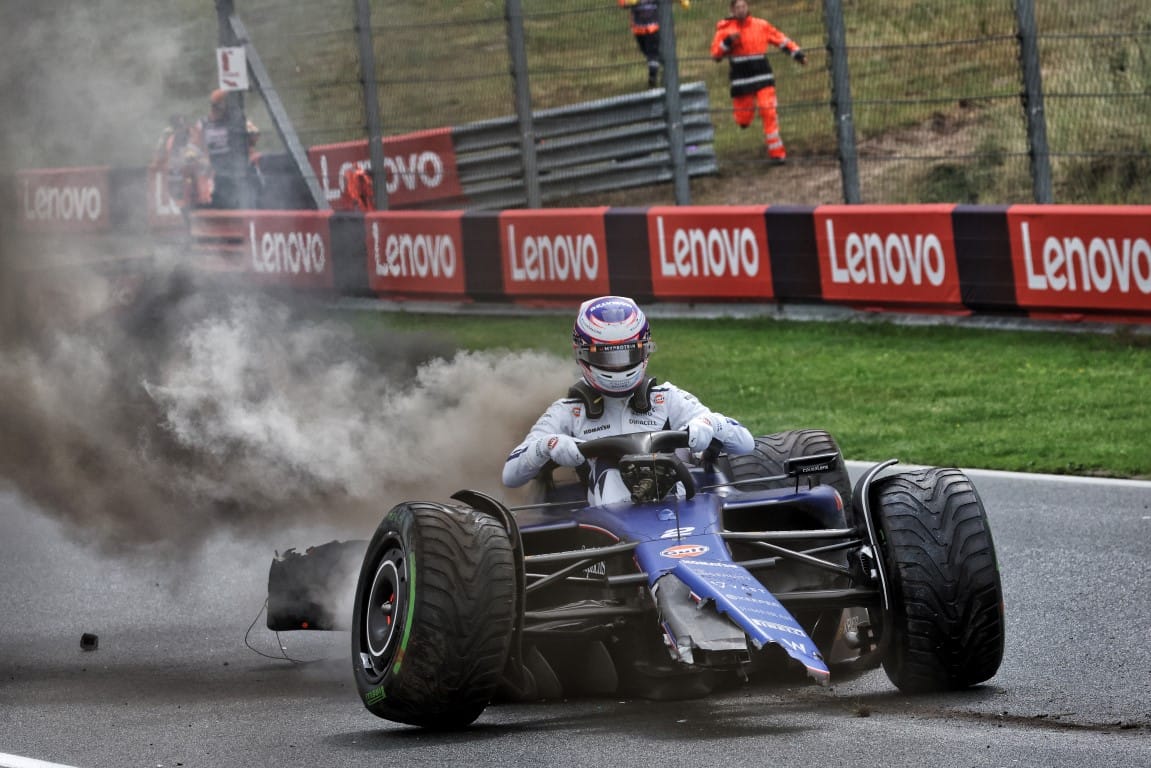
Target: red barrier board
{"x": 888, "y": 255}
{"x": 711, "y": 252}
{"x": 290, "y": 247}
{"x": 416, "y": 253}
{"x": 554, "y": 253}
{"x": 419, "y": 167}
{"x": 1082, "y": 257}
{"x": 64, "y": 199}
{"x": 163, "y": 212}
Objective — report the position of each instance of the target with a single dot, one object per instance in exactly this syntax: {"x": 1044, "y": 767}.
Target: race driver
{"x": 612, "y": 342}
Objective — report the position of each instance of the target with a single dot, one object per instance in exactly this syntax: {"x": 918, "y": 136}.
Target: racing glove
{"x": 562, "y": 449}
{"x": 800, "y": 56}
{"x": 700, "y": 432}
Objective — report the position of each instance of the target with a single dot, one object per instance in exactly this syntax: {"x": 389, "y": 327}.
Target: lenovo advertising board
{"x": 71, "y": 200}
{"x": 709, "y": 252}
{"x": 558, "y": 253}
{"x": 888, "y": 255}
{"x": 416, "y": 252}
{"x": 1082, "y": 258}
{"x": 419, "y": 168}
{"x": 290, "y": 247}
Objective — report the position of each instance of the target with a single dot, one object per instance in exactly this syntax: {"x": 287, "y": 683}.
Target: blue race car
{"x": 719, "y": 572}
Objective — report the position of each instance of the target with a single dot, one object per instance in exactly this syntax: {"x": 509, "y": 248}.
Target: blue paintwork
{"x": 680, "y": 537}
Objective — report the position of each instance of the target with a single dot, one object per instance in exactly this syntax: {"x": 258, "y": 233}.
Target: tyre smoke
{"x": 198, "y": 409}
{"x": 148, "y": 409}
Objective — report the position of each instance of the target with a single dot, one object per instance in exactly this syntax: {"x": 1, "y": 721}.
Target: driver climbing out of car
{"x": 612, "y": 343}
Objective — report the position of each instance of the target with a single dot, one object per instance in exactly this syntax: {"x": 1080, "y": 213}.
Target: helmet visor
{"x": 615, "y": 356}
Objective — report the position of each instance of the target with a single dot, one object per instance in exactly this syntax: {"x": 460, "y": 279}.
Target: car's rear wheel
{"x": 434, "y": 612}
{"x": 771, "y": 451}
{"x": 946, "y": 625}
{"x": 767, "y": 460}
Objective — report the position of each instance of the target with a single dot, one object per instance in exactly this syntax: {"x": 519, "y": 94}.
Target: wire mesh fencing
{"x": 937, "y": 94}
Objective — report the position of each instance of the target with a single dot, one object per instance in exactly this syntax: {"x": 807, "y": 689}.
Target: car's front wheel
{"x": 434, "y": 613}
{"x": 945, "y": 624}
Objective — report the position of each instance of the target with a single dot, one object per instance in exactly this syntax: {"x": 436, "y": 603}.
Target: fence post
{"x": 371, "y": 103}
{"x": 237, "y": 123}
{"x": 841, "y": 105}
{"x": 673, "y": 107}
{"x": 517, "y": 48}
{"x": 1032, "y": 98}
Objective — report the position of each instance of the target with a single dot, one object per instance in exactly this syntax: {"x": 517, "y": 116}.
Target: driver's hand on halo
{"x": 700, "y": 433}
{"x": 564, "y": 450}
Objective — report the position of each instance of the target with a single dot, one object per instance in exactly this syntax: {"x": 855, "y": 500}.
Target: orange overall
{"x": 745, "y": 42}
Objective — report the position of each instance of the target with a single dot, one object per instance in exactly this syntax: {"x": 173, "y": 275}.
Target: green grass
{"x": 1045, "y": 402}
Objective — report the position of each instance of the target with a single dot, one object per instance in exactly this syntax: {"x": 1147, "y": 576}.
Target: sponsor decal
{"x": 711, "y": 251}
{"x": 415, "y": 252}
{"x": 418, "y": 167}
{"x": 888, "y": 254}
{"x": 63, "y": 199}
{"x": 291, "y": 248}
{"x": 375, "y": 696}
{"x": 1082, "y": 257}
{"x": 681, "y": 551}
{"x": 554, "y": 252}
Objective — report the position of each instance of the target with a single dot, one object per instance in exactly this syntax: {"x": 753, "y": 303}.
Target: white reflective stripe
{"x": 757, "y": 79}
{"x": 741, "y": 59}
{"x": 15, "y": 761}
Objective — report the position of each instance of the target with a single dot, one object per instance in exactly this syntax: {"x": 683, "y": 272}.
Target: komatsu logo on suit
{"x": 1100, "y": 264}
{"x": 287, "y": 252}
{"x": 62, "y": 203}
{"x": 414, "y": 255}
{"x": 713, "y": 252}
{"x": 871, "y": 258}
{"x": 538, "y": 258}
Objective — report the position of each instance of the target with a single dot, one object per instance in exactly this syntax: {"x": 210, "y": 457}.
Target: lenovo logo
{"x": 871, "y": 258}
{"x": 422, "y": 255}
{"x": 287, "y": 253}
{"x": 1100, "y": 264}
{"x": 62, "y": 203}
{"x": 542, "y": 257}
{"x": 712, "y": 252}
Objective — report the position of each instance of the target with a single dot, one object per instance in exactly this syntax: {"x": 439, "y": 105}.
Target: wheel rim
{"x": 385, "y": 611}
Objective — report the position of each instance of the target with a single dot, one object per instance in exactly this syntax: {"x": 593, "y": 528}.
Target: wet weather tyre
{"x": 771, "y": 451}
{"x": 433, "y": 616}
{"x": 946, "y": 625}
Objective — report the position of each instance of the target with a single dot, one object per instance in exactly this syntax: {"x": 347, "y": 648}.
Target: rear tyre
{"x": 946, "y": 626}
{"x": 771, "y": 451}
{"x": 434, "y": 613}
{"x": 767, "y": 460}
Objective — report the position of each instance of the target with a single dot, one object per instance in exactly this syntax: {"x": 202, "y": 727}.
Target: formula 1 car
{"x": 721, "y": 570}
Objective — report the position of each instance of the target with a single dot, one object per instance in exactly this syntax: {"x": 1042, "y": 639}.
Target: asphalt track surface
{"x": 172, "y": 683}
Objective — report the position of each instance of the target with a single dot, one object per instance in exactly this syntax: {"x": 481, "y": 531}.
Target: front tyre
{"x": 434, "y": 613}
{"x": 946, "y": 622}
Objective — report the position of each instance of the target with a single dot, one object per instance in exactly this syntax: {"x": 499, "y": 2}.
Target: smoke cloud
{"x": 147, "y": 408}
{"x": 195, "y": 410}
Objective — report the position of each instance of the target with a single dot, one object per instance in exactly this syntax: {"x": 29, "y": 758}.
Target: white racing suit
{"x": 670, "y": 408}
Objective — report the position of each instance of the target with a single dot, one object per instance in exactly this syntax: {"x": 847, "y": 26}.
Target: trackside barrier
{"x": 1050, "y": 262}
{"x": 1061, "y": 262}
{"x": 612, "y": 143}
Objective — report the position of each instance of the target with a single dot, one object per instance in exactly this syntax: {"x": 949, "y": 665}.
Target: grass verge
{"x": 1048, "y": 402}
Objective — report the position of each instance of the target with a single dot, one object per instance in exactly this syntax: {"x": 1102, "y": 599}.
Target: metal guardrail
{"x": 605, "y": 144}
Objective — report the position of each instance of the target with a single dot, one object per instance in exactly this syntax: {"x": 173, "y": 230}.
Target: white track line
{"x": 15, "y": 761}
{"x": 1113, "y": 482}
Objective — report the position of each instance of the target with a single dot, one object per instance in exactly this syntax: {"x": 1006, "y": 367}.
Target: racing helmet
{"x": 612, "y": 343}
